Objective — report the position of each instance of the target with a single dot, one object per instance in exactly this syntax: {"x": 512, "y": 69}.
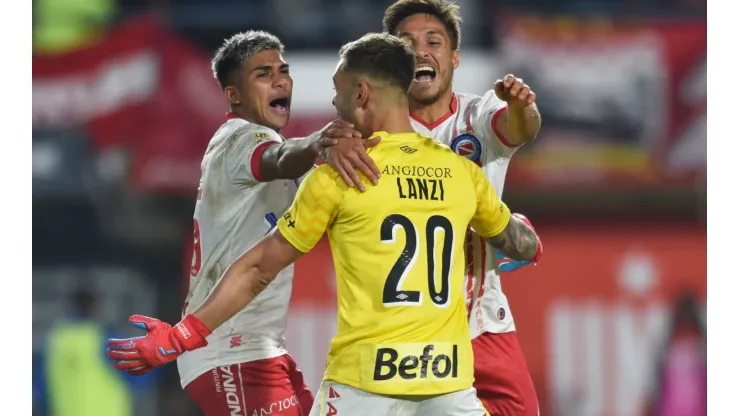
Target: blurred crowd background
{"x": 612, "y": 321}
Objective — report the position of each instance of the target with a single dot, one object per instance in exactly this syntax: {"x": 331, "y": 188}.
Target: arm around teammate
{"x": 513, "y": 234}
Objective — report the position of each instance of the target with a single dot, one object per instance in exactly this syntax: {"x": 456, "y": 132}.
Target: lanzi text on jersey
{"x": 412, "y": 181}
{"x": 417, "y": 188}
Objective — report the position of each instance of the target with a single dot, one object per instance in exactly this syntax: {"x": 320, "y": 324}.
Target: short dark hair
{"x": 381, "y": 56}
{"x": 229, "y": 57}
{"x": 446, "y": 11}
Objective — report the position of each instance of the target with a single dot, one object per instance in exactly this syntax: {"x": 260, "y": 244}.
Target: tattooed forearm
{"x": 517, "y": 241}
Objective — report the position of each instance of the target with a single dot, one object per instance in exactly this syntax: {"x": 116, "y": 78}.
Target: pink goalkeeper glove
{"x": 162, "y": 344}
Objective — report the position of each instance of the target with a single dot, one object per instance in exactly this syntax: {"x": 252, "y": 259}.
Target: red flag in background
{"x": 143, "y": 89}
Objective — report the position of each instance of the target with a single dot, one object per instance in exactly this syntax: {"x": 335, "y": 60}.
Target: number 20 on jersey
{"x": 393, "y": 294}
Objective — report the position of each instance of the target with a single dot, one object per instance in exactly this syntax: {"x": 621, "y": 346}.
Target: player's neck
{"x": 429, "y": 114}
{"x": 393, "y": 121}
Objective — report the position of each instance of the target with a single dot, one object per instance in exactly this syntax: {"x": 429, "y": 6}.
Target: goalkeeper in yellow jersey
{"x": 402, "y": 345}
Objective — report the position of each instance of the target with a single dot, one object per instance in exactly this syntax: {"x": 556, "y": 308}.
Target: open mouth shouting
{"x": 425, "y": 74}
{"x": 280, "y": 105}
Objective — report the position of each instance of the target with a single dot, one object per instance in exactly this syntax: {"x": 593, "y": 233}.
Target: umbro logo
{"x": 289, "y": 220}
{"x": 407, "y": 149}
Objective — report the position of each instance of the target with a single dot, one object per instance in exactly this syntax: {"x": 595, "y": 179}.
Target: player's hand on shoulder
{"x": 514, "y": 91}
{"x": 162, "y": 344}
{"x": 334, "y": 131}
{"x": 342, "y": 147}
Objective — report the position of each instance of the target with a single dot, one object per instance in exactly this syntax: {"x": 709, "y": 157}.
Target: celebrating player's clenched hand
{"x": 514, "y": 91}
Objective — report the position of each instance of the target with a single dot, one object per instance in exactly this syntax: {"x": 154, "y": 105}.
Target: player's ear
{"x": 455, "y": 59}
{"x": 232, "y": 95}
{"x": 363, "y": 94}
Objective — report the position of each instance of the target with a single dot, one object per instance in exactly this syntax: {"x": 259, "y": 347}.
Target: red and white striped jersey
{"x": 234, "y": 210}
{"x": 469, "y": 128}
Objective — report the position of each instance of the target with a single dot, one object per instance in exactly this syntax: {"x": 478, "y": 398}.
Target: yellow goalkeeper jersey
{"x": 399, "y": 263}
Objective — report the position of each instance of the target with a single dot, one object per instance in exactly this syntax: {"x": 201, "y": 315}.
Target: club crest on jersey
{"x": 468, "y": 146}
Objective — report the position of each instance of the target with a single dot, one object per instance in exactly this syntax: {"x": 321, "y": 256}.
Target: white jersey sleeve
{"x": 245, "y": 149}
{"x": 485, "y": 114}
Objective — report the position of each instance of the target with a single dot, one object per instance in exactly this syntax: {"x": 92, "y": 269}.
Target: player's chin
{"x": 277, "y": 119}
{"x": 423, "y": 92}
{"x": 346, "y": 117}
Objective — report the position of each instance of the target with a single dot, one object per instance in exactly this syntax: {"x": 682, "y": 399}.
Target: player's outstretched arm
{"x": 297, "y": 231}
{"x": 518, "y": 241}
{"x": 245, "y": 278}
{"x": 338, "y": 143}
{"x": 521, "y": 120}
{"x": 241, "y": 282}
